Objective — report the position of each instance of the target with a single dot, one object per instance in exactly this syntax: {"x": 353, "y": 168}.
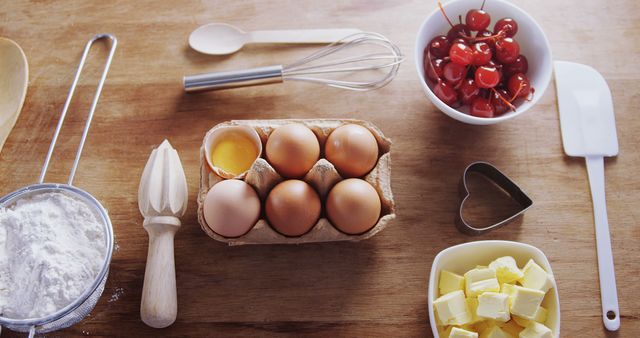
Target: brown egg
{"x": 231, "y": 208}
{"x": 352, "y": 149}
{"x": 292, "y": 150}
{"x": 293, "y": 207}
{"x": 353, "y": 206}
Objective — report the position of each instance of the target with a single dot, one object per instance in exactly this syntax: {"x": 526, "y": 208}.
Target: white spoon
{"x": 223, "y": 39}
{"x": 14, "y": 77}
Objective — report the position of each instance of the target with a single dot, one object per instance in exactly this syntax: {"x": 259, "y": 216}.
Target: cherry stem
{"x": 517, "y": 91}
{"x": 444, "y": 13}
{"x": 504, "y": 100}
{"x": 433, "y": 66}
{"x": 482, "y": 7}
{"x": 472, "y": 39}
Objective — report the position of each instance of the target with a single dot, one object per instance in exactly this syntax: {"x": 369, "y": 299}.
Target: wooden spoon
{"x": 14, "y": 77}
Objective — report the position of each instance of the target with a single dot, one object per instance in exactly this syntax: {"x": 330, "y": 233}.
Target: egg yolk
{"x": 234, "y": 154}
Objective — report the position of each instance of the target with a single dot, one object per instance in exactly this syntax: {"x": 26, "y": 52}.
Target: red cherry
{"x": 434, "y": 68}
{"x": 468, "y": 91}
{"x": 507, "y": 50}
{"x": 439, "y": 46}
{"x": 454, "y": 73}
{"x": 458, "y": 31}
{"x": 498, "y": 66}
{"x": 477, "y": 19}
{"x": 508, "y": 25}
{"x": 481, "y": 107}
{"x": 520, "y": 65}
{"x": 487, "y": 77}
{"x": 481, "y": 54}
{"x": 445, "y": 93}
{"x": 498, "y": 99}
{"x": 519, "y": 86}
{"x": 461, "y": 54}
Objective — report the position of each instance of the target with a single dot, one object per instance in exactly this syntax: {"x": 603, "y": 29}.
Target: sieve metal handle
{"x": 114, "y": 43}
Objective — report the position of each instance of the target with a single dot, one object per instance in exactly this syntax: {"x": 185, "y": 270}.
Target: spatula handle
{"x": 159, "y": 305}
{"x": 608, "y": 292}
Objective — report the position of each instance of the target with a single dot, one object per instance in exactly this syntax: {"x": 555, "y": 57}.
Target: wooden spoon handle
{"x": 159, "y": 305}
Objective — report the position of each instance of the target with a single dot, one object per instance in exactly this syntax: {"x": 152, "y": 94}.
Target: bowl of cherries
{"x": 482, "y": 62}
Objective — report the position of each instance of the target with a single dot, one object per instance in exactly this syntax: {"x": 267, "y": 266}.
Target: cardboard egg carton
{"x": 322, "y": 176}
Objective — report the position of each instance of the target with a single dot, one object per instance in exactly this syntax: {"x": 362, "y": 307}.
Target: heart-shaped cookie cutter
{"x": 501, "y": 180}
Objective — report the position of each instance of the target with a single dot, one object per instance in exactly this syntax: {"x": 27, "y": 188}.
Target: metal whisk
{"x": 311, "y": 68}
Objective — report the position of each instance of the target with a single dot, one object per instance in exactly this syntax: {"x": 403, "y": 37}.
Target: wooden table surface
{"x": 375, "y": 288}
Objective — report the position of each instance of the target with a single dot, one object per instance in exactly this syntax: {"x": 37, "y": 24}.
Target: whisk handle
{"x": 233, "y": 79}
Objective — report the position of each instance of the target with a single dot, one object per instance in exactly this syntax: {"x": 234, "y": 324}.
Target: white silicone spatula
{"x": 589, "y": 130}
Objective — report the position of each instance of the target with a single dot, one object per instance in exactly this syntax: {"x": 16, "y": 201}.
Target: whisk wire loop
{"x": 392, "y": 57}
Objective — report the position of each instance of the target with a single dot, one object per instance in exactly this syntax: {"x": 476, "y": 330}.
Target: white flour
{"x": 51, "y": 249}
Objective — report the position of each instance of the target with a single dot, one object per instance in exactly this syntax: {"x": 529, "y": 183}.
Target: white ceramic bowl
{"x": 463, "y": 257}
{"x": 533, "y": 44}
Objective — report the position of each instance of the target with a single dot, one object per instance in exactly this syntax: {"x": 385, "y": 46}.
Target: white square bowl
{"x": 463, "y": 257}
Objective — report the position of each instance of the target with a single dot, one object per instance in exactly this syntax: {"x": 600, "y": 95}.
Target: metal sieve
{"x": 82, "y": 306}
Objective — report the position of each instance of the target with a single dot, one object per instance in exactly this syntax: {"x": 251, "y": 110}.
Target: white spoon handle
{"x": 300, "y": 36}
{"x": 159, "y": 305}
{"x": 608, "y": 292}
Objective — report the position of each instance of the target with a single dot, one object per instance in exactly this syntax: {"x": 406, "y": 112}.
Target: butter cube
{"x": 536, "y": 330}
{"x": 512, "y": 328}
{"x": 488, "y": 285}
{"x": 494, "y": 306}
{"x": 479, "y": 280}
{"x": 507, "y": 289}
{"x": 520, "y": 321}
{"x": 495, "y": 332}
{"x": 438, "y": 322}
{"x": 535, "y": 277}
{"x": 443, "y": 331}
{"x": 525, "y": 302}
{"x": 484, "y": 325}
{"x": 472, "y": 304}
{"x": 541, "y": 315}
{"x": 450, "y": 282}
{"x": 457, "y": 332}
{"x": 507, "y": 269}
{"x": 478, "y": 274}
{"x": 452, "y": 309}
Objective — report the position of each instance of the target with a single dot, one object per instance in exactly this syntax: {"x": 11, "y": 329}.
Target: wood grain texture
{"x": 375, "y": 288}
